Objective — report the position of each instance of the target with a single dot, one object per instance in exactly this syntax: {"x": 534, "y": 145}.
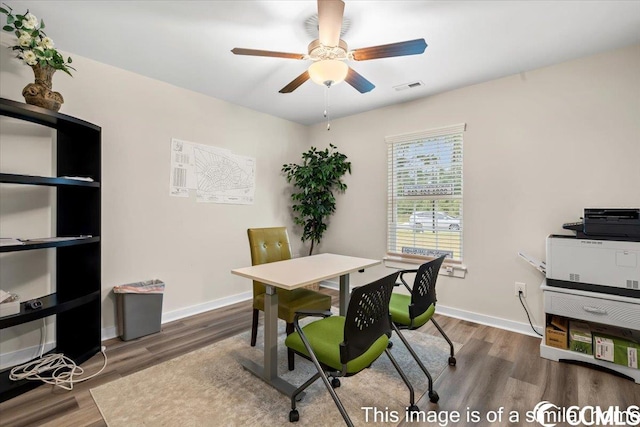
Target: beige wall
{"x": 539, "y": 147}
{"x": 146, "y": 233}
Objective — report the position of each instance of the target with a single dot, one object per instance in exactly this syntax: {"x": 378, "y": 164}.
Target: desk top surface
{"x": 297, "y": 272}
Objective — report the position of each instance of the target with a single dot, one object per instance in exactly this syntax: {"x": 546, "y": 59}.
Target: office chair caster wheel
{"x": 294, "y": 416}
{"x": 433, "y": 397}
{"x": 335, "y": 383}
{"x": 452, "y": 361}
{"x": 413, "y": 408}
{"x": 390, "y": 344}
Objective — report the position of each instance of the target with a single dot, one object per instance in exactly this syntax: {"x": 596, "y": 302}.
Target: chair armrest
{"x": 312, "y": 313}
{"x": 401, "y": 277}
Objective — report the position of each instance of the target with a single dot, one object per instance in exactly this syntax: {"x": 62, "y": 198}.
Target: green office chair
{"x": 269, "y": 245}
{"x": 412, "y": 311}
{"x": 342, "y": 346}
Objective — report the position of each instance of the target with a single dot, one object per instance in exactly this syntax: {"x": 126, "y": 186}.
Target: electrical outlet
{"x": 521, "y": 287}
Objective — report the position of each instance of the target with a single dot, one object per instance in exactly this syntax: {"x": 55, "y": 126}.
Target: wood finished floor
{"x": 495, "y": 368}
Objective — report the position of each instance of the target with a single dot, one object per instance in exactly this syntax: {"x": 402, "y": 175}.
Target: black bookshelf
{"x": 76, "y": 302}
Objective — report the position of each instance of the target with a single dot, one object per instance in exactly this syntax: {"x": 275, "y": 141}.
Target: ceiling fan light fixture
{"x": 329, "y": 52}
{"x": 328, "y": 72}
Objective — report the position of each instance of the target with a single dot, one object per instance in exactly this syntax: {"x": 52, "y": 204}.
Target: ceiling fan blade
{"x": 256, "y": 52}
{"x": 330, "y": 13}
{"x": 410, "y": 47}
{"x": 295, "y": 83}
{"x": 361, "y": 84}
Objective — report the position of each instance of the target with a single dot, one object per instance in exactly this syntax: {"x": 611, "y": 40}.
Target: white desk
{"x": 291, "y": 274}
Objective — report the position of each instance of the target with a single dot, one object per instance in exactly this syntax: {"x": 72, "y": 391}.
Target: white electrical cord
{"x": 59, "y": 368}
{"x": 43, "y": 337}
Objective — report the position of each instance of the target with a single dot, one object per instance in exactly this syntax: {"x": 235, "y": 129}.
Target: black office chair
{"x": 413, "y": 311}
{"x": 342, "y": 346}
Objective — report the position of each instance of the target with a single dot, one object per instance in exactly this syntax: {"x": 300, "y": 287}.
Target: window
{"x": 425, "y": 194}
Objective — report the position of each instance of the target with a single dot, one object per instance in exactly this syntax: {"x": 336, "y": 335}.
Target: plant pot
{"x": 40, "y": 93}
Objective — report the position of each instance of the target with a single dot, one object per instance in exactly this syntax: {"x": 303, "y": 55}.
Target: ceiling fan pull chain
{"x": 326, "y": 106}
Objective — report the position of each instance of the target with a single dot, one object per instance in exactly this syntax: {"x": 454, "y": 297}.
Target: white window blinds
{"x": 424, "y": 216}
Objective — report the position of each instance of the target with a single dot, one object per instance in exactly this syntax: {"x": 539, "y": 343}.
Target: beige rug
{"x": 208, "y": 387}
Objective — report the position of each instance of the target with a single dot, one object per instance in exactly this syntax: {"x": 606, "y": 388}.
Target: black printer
{"x": 608, "y": 224}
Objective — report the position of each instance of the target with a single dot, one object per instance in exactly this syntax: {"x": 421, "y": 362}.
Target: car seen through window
{"x": 429, "y": 220}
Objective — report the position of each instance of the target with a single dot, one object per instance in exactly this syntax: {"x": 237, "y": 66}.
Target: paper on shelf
{"x": 9, "y": 308}
{"x": 10, "y": 241}
{"x": 53, "y": 239}
{"x": 9, "y": 303}
{"x": 78, "y": 178}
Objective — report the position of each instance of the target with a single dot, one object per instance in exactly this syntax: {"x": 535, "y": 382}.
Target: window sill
{"x": 458, "y": 271}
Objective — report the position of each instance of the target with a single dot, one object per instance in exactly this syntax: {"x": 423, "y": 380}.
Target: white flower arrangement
{"x": 33, "y": 45}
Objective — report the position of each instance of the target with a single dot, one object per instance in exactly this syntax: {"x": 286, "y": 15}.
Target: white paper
{"x": 541, "y": 266}
{"x": 9, "y": 241}
{"x": 78, "y": 178}
{"x": 182, "y": 169}
{"x": 217, "y": 175}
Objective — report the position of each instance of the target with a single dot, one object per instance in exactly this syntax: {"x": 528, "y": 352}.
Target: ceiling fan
{"x": 329, "y": 52}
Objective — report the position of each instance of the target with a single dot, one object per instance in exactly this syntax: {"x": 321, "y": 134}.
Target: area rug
{"x": 209, "y": 387}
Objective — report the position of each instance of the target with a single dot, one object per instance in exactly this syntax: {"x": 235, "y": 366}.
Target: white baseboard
{"x": 483, "y": 319}
{"x": 112, "y": 332}
{"x": 13, "y": 358}
{"x": 201, "y": 308}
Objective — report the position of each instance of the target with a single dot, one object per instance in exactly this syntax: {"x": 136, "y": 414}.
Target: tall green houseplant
{"x": 315, "y": 180}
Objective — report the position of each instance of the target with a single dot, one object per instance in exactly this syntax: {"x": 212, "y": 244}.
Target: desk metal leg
{"x": 269, "y": 371}
{"x": 344, "y": 294}
{"x": 270, "y": 333}
{"x": 276, "y": 382}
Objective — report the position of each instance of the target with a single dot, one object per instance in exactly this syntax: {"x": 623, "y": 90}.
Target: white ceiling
{"x": 188, "y": 43}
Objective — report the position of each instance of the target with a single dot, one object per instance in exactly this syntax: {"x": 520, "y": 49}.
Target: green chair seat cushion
{"x": 296, "y": 300}
{"x": 325, "y": 336}
{"x": 399, "y": 309}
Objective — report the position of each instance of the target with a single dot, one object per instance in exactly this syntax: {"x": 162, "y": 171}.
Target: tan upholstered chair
{"x": 269, "y": 245}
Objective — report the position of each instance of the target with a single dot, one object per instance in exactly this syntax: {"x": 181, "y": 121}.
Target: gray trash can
{"x": 139, "y": 308}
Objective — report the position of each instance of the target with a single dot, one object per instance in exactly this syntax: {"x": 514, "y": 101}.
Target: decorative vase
{"x": 40, "y": 93}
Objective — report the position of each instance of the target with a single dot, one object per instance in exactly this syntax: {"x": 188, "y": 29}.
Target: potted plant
{"x": 37, "y": 50}
{"x": 315, "y": 180}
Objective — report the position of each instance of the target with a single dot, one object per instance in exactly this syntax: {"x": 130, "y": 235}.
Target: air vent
{"x": 409, "y": 86}
{"x": 632, "y": 284}
{"x": 574, "y": 277}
